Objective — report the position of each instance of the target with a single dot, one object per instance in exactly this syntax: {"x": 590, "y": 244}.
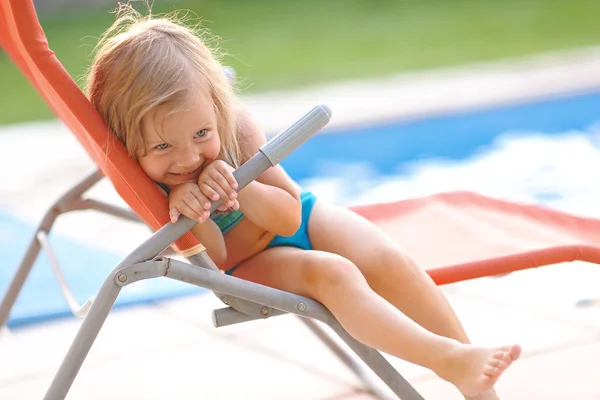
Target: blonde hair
{"x": 143, "y": 62}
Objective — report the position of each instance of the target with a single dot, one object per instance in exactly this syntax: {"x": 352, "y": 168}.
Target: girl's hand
{"x": 216, "y": 182}
{"x": 187, "y": 199}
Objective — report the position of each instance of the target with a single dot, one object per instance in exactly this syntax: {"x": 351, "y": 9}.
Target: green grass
{"x": 275, "y": 44}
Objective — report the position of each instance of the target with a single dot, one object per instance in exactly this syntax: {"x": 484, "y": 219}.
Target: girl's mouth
{"x": 192, "y": 175}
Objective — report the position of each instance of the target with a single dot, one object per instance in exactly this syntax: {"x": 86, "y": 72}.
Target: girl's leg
{"x": 388, "y": 270}
{"x": 338, "y": 284}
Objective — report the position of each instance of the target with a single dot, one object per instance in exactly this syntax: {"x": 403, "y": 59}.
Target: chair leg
{"x": 69, "y": 201}
{"x": 379, "y": 365}
{"x": 18, "y": 280}
{"x": 123, "y": 274}
{"x": 78, "y": 310}
{"x": 364, "y": 374}
{"x": 86, "y": 335}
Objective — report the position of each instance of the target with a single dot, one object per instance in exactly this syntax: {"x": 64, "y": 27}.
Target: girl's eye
{"x": 201, "y": 133}
{"x": 161, "y": 146}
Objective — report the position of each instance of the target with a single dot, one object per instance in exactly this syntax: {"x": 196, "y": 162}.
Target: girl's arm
{"x": 209, "y": 234}
{"x": 271, "y": 208}
{"x": 272, "y": 201}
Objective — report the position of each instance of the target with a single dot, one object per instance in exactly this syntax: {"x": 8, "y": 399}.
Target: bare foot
{"x": 474, "y": 370}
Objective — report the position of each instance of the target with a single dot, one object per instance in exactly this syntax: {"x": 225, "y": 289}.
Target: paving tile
{"x": 185, "y": 370}
{"x": 555, "y": 288}
{"x": 284, "y": 337}
{"x": 489, "y": 319}
{"x": 125, "y": 333}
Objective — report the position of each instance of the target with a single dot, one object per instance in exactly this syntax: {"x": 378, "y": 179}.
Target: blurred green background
{"x": 281, "y": 44}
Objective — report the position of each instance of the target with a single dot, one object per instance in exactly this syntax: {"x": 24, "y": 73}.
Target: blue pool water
{"x": 387, "y": 147}
{"x": 544, "y": 151}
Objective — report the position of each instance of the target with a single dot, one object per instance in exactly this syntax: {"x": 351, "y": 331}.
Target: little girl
{"x": 163, "y": 93}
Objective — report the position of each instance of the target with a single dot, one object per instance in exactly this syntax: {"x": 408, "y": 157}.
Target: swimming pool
{"x": 541, "y": 152}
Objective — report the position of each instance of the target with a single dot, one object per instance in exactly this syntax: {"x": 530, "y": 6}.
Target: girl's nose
{"x": 188, "y": 157}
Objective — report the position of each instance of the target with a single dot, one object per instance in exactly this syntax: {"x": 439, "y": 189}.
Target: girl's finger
{"x": 208, "y": 191}
{"x": 190, "y": 213}
{"x": 222, "y": 207}
{"x": 174, "y": 214}
{"x": 193, "y": 204}
{"x": 225, "y": 185}
{"x": 218, "y": 189}
{"x": 202, "y": 198}
{"x": 226, "y": 171}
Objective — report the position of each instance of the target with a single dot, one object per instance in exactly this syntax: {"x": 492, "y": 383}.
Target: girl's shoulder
{"x": 249, "y": 133}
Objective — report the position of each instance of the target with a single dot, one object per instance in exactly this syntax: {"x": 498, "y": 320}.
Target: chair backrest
{"x": 23, "y": 39}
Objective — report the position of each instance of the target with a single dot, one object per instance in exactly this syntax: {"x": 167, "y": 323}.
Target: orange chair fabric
{"x": 462, "y": 235}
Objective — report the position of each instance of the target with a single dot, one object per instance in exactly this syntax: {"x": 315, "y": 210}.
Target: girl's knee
{"x": 325, "y": 272}
{"x": 388, "y": 261}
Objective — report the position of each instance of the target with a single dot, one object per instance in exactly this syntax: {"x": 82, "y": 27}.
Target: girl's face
{"x": 180, "y": 144}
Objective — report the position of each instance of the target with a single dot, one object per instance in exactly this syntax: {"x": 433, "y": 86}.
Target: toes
{"x": 501, "y": 357}
{"x": 497, "y": 364}
{"x": 515, "y": 352}
{"x": 491, "y": 368}
{"x": 507, "y": 353}
{"x": 491, "y": 372}
{"x": 502, "y": 366}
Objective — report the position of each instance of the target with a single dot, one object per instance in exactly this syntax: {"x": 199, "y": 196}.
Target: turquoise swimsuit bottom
{"x": 227, "y": 220}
